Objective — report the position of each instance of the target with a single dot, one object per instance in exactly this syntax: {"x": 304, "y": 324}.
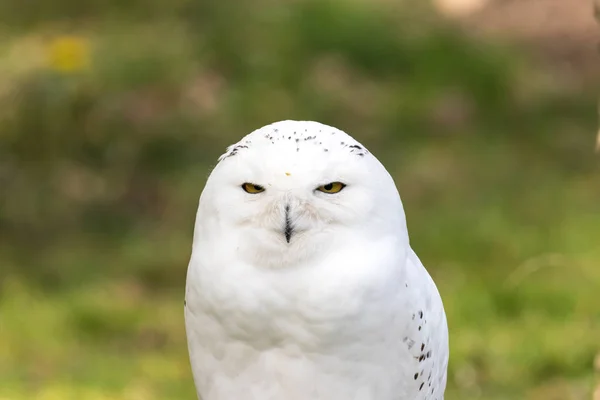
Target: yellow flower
{"x": 68, "y": 54}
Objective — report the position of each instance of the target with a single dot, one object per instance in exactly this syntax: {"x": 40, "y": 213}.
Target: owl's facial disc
{"x": 289, "y": 190}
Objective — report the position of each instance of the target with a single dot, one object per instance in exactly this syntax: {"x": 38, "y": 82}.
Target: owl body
{"x": 295, "y": 292}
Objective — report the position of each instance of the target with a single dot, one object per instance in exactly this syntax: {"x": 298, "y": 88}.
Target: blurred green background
{"x": 113, "y": 112}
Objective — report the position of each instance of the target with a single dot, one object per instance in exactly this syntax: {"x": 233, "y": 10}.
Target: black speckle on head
{"x": 421, "y": 314}
{"x": 421, "y": 387}
{"x": 355, "y": 146}
{"x": 416, "y": 376}
{"x": 235, "y": 150}
{"x": 297, "y": 140}
{"x": 422, "y": 346}
{"x": 325, "y": 149}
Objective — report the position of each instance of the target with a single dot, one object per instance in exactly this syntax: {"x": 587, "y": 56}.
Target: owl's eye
{"x": 252, "y": 188}
{"x": 333, "y": 187}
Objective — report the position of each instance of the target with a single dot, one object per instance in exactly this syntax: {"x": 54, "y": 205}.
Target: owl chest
{"x": 317, "y": 341}
{"x": 266, "y": 309}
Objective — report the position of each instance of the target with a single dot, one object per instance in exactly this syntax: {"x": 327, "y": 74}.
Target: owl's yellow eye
{"x": 333, "y": 187}
{"x": 252, "y": 188}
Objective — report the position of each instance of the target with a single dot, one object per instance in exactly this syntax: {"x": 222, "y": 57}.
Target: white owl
{"x": 302, "y": 284}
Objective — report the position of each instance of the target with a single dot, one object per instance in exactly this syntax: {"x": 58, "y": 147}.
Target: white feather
{"x": 344, "y": 310}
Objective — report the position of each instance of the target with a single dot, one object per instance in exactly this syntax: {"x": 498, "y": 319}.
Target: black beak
{"x": 288, "y": 230}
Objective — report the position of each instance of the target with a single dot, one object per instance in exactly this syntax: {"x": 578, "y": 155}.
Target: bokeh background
{"x": 112, "y": 113}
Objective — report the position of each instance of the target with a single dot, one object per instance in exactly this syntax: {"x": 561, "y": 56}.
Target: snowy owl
{"x": 302, "y": 284}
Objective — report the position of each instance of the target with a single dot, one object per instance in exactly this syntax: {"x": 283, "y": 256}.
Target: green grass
{"x": 101, "y": 169}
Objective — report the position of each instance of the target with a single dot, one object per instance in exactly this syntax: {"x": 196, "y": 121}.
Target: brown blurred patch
{"x": 561, "y": 33}
{"x": 558, "y": 389}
